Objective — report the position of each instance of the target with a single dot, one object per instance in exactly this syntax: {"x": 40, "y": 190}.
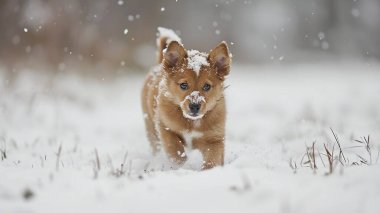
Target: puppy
{"x": 183, "y": 100}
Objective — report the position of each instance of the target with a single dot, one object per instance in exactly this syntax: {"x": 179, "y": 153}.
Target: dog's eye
{"x": 206, "y": 87}
{"x": 184, "y": 86}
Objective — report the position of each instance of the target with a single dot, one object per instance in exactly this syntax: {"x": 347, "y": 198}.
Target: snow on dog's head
{"x": 195, "y": 79}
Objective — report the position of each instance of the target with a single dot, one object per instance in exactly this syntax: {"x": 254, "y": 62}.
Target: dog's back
{"x": 150, "y": 89}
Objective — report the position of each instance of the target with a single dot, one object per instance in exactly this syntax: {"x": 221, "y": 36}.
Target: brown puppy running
{"x": 183, "y": 100}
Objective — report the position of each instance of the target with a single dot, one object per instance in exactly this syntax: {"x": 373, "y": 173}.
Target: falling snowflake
{"x": 355, "y": 12}
{"x": 321, "y": 35}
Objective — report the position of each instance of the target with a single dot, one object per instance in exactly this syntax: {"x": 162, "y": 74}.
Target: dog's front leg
{"x": 173, "y": 146}
{"x": 212, "y": 151}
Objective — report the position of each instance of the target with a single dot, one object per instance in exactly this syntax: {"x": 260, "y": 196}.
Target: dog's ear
{"x": 174, "y": 54}
{"x": 220, "y": 58}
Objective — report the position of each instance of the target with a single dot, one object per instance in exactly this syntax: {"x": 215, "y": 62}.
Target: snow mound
{"x": 196, "y": 60}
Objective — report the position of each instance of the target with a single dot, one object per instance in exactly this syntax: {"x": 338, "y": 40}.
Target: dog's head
{"x": 194, "y": 80}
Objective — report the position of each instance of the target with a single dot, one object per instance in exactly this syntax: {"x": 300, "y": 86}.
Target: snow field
{"x": 274, "y": 112}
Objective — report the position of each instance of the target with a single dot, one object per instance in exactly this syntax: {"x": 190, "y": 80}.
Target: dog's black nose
{"x": 194, "y": 108}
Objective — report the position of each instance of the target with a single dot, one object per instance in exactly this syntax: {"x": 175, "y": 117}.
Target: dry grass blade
{"x": 97, "y": 161}
{"x": 363, "y": 160}
{"x": 125, "y": 157}
{"x": 368, "y": 148}
{"x": 320, "y": 157}
{"x": 58, "y": 157}
{"x": 313, "y": 157}
{"x": 3, "y": 152}
{"x": 366, "y": 142}
{"x": 302, "y": 160}
{"x": 330, "y": 159}
{"x": 358, "y": 142}
{"x": 340, "y": 148}
{"x": 293, "y": 165}
{"x": 226, "y": 87}
{"x": 310, "y": 153}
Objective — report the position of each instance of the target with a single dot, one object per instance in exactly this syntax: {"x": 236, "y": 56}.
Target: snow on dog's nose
{"x": 193, "y": 104}
{"x": 195, "y": 97}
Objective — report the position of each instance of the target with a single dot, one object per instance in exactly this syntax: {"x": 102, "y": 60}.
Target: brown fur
{"x": 164, "y": 104}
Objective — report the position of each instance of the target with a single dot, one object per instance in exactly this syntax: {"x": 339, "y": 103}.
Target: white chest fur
{"x": 188, "y": 136}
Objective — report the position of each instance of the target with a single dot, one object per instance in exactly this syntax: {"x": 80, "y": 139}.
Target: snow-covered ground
{"x": 274, "y": 113}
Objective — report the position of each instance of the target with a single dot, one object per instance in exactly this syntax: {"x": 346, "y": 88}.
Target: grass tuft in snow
{"x": 121, "y": 170}
{"x": 366, "y": 145}
{"x": 311, "y": 159}
{"x": 330, "y": 158}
